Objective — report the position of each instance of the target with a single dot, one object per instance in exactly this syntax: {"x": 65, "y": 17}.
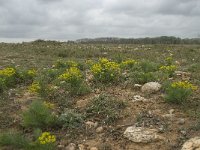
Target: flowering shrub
{"x": 128, "y": 63}
{"x": 7, "y": 72}
{"x": 168, "y": 69}
{"x": 39, "y": 116}
{"x": 105, "y": 70}
{"x": 67, "y": 64}
{"x": 2, "y": 84}
{"x": 8, "y": 78}
{"x": 72, "y": 81}
{"x": 168, "y": 61}
{"x": 34, "y": 87}
{"x": 178, "y": 92}
{"x": 72, "y": 75}
{"x": 46, "y": 138}
{"x": 49, "y": 105}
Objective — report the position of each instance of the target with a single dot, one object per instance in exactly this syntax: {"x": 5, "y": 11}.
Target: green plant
{"x": 105, "y": 108}
{"x": 106, "y": 71}
{"x": 168, "y": 69}
{"x": 147, "y": 66}
{"x": 72, "y": 81}
{"x": 129, "y": 64}
{"x": 178, "y": 92}
{"x": 2, "y": 85}
{"x": 71, "y": 119}
{"x": 39, "y": 116}
{"x": 14, "y": 140}
{"x": 142, "y": 77}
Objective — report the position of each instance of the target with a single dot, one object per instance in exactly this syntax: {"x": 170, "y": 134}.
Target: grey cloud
{"x": 66, "y": 19}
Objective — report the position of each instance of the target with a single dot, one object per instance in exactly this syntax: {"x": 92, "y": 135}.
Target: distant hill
{"x": 146, "y": 40}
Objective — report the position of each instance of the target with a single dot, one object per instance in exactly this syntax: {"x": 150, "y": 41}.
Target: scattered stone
{"x": 192, "y": 144}
{"x": 183, "y": 132}
{"x": 61, "y": 146}
{"x": 81, "y": 103}
{"x": 171, "y": 111}
{"x": 168, "y": 116}
{"x": 183, "y": 75}
{"x": 151, "y": 87}
{"x": 93, "y": 148}
{"x": 71, "y": 146}
{"x": 90, "y": 124}
{"x": 99, "y": 130}
{"x": 97, "y": 91}
{"x": 137, "y": 98}
{"x": 142, "y": 135}
{"x": 81, "y": 147}
{"x": 181, "y": 121}
{"x": 137, "y": 86}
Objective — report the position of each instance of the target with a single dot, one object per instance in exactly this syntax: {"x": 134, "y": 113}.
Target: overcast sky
{"x": 74, "y": 19}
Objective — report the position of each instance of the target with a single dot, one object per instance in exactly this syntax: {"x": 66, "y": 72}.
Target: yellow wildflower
{"x": 46, "y": 138}
{"x": 184, "y": 85}
{"x": 71, "y": 73}
{"x": 8, "y": 72}
{"x": 35, "y": 87}
{"x": 32, "y": 72}
{"x": 170, "y": 68}
{"x": 49, "y": 105}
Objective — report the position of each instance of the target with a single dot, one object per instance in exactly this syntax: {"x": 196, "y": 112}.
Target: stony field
{"x": 72, "y": 96}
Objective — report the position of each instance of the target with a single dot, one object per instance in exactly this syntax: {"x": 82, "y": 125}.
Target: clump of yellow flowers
{"x": 49, "y": 105}
{"x": 168, "y": 69}
{"x": 105, "y": 70}
{"x": 67, "y": 64}
{"x": 7, "y": 72}
{"x": 179, "y": 91}
{"x": 32, "y": 72}
{"x": 73, "y": 73}
{"x": 128, "y": 63}
{"x": 34, "y": 87}
{"x": 184, "y": 85}
{"x": 46, "y": 138}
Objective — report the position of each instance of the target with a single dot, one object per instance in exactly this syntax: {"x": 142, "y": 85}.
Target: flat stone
{"x": 99, "y": 130}
{"x": 192, "y": 144}
{"x": 151, "y": 87}
{"x": 142, "y": 135}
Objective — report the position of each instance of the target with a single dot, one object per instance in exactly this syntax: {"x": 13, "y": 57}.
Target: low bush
{"x": 71, "y": 119}
{"x": 106, "y": 71}
{"x": 14, "y": 140}
{"x": 178, "y": 92}
{"x": 105, "y": 108}
{"x": 45, "y": 141}
{"x": 39, "y": 116}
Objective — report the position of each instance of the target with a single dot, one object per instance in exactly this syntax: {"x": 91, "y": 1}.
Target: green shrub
{"x": 43, "y": 141}
{"x": 14, "y": 140}
{"x": 106, "y": 71}
{"x": 71, "y": 119}
{"x": 39, "y": 116}
{"x": 72, "y": 81}
{"x": 128, "y": 64}
{"x": 142, "y": 77}
{"x": 105, "y": 108}
{"x": 2, "y": 85}
{"x": 168, "y": 70}
{"x": 27, "y": 76}
{"x": 147, "y": 66}
{"x": 178, "y": 92}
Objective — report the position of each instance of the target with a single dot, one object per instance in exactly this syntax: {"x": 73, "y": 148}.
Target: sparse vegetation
{"x": 83, "y": 87}
{"x": 105, "y": 108}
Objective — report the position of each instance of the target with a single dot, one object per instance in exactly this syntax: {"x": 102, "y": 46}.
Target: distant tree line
{"x": 147, "y": 40}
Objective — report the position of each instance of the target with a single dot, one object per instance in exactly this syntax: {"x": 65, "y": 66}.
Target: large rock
{"x": 192, "y": 144}
{"x": 151, "y": 87}
{"x": 142, "y": 135}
